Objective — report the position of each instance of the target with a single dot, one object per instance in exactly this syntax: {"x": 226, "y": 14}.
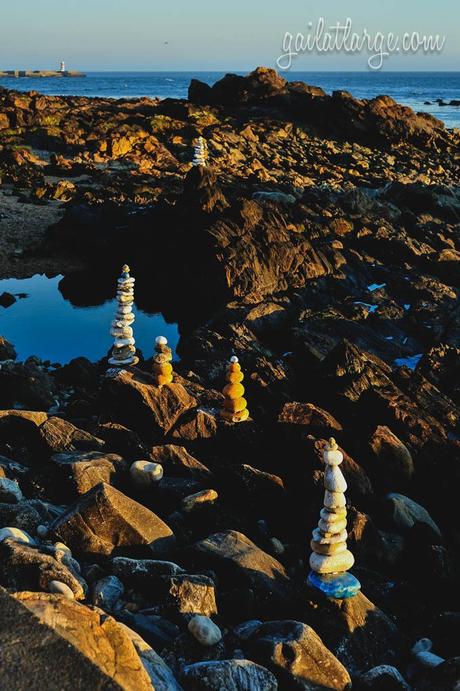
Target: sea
{"x": 414, "y": 89}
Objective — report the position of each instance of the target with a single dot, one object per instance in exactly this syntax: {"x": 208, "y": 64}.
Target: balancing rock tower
{"x": 200, "y": 157}
{"x": 124, "y": 349}
{"x": 234, "y": 409}
{"x": 162, "y": 368}
{"x": 330, "y": 559}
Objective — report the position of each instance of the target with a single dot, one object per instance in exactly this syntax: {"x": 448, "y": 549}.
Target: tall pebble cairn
{"x": 162, "y": 357}
{"x": 331, "y": 559}
{"x": 234, "y": 409}
{"x": 124, "y": 349}
{"x": 200, "y": 156}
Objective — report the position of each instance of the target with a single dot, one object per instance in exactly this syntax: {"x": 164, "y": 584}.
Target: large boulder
{"x": 94, "y": 635}
{"x": 296, "y": 654}
{"x": 239, "y": 563}
{"x": 43, "y": 658}
{"x": 359, "y": 634}
{"x": 137, "y": 402}
{"x": 61, "y": 436}
{"x": 104, "y": 521}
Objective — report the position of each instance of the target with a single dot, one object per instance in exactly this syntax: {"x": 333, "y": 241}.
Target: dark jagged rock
{"x": 296, "y": 655}
{"x": 104, "y": 521}
{"x": 135, "y": 400}
{"x": 239, "y": 562}
{"x": 78, "y": 472}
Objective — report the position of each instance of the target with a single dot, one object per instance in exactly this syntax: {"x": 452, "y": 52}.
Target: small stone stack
{"x": 331, "y": 559}
{"x": 200, "y": 157}
{"x": 124, "y": 349}
{"x": 234, "y": 409}
{"x": 162, "y": 368}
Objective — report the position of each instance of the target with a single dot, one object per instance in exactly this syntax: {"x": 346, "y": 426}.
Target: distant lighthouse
{"x": 62, "y": 67}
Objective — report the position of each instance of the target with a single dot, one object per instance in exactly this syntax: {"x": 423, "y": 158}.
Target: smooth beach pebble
{"x": 336, "y": 563}
{"x": 204, "y": 630}
{"x": 61, "y": 588}
{"x": 17, "y": 535}
{"x": 328, "y": 549}
{"x": 319, "y": 537}
{"x": 334, "y": 480}
{"x": 334, "y": 500}
{"x": 332, "y": 527}
{"x": 333, "y": 457}
{"x": 146, "y": 473}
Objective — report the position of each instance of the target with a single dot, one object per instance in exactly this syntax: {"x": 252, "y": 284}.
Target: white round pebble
{"x": 62, "y": 547}
{"x": 17, "y": 535}
{"x": 276, "y": 545}
{"x": 61, "y": 588}
{"x": 146, "y": 473}
{"x": 161, "y": 340}
{"x": 204, "y": 630}
{"x": 234, "y": 359}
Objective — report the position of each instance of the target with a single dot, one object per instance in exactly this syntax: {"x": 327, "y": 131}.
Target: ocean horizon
{"x": 418, "y": 90}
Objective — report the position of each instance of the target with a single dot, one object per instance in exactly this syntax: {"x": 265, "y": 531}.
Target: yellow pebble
{"x": 233, "y": 391}
{"x": 235, "y": 406}
{"x": 235, "y": 377}
{"x": 164, "y": 368}
{"x": 234, "y": 367}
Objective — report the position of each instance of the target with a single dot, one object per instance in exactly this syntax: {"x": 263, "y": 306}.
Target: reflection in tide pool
{"x": 41, "y": 322}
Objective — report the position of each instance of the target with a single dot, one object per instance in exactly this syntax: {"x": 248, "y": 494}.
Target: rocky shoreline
{"x": 321, "y": 246}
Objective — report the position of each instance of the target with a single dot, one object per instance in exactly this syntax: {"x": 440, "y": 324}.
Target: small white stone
{"x": 234, "y": 359}
{"x": 161, "y": 340}
{"x": 334, "y": 500}
{"x": 277, "y": 546}
{"x": 334, "y": 480}
{"x": 204, "y": 630}
{"x": 333, "y": 527}
{"x": 333, "y": 457}
{"x": 17, "y": 535}
{"x": 146, "y": 473}
{"x": 61, "y": 588}
{"x": 60, "y": 546}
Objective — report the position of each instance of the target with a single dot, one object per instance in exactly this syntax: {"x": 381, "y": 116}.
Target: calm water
{"x": 43, "y": 323}
{"x": 410, "y": 88}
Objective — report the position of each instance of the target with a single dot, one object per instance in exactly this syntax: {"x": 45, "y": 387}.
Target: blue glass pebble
{"x": 337, "y": 585}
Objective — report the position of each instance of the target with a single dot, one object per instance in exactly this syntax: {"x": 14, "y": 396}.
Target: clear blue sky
{"x": 208, "y": 34}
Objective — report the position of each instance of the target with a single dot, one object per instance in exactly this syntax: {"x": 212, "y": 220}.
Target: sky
{"x": 154, "y": 35}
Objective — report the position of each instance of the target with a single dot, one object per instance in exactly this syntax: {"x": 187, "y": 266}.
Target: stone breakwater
{"x": 318, "y": 243}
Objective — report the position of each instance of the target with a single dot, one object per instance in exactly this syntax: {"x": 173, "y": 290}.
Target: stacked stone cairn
{"x": 124, "y": 349}
{"x": 200, "y": 157}
{"x": 234, "y": 409}
{"x": 331, "y": 559}
{"x": 162, "y": 368}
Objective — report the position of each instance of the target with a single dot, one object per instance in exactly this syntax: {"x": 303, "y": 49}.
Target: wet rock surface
{"x": 321, "y": 247}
